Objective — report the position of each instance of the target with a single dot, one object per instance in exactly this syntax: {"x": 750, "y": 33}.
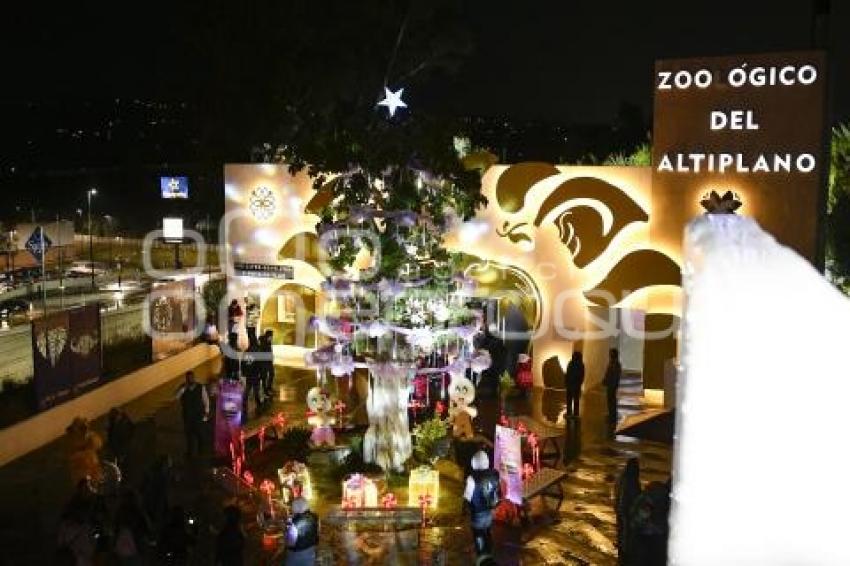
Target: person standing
{"x": 230, "y": 542}
{"x": 612, "y": 382}
{"x": 234, "y": 316}
{"x": 267, "y": 363}
{"x": 482, "y": 494}
{"x": 626, "y": 491}
{"x": 195, "y": 405}
{"x": 302, "y": 535}
{"x": 573, "y": 380}
{"x": 251, "y": 368}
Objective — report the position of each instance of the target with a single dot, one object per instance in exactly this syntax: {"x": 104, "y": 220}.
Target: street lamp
{"x": 89, "y": 194}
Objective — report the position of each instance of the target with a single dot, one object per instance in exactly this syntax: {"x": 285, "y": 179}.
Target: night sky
{"x": 562, "y": 60}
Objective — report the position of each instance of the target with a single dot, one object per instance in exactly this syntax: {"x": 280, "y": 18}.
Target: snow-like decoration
{"x": 760, "y": 461}
{"x": 387, "y": 440}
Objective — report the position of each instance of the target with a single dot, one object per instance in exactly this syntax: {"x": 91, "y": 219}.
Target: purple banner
{"x": 66, "y": 354}
{"x": 86, "y": 354}
{"x": 50, "y": 354}
{"x": 228, "y": 417}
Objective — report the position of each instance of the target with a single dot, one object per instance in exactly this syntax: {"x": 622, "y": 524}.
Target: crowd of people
{"x": 140, "y": 524}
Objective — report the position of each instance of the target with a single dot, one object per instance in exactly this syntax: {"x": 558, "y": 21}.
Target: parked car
{"x": 14, "y": 309}
{"x": 84, "y": 269}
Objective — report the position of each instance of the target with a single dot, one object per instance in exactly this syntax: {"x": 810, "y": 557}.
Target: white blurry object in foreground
{"x": 761, "y": 455}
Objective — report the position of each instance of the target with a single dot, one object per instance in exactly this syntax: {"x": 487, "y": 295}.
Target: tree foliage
{"x": 838, "y": 206}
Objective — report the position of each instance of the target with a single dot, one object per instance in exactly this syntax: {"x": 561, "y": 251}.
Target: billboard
{"x": 174, "y": 187}
{"x": 750, "y": 125}
{"x": 172, "y": 229}
{"x": 172, "y": 317}
{"x": 67, "y": 358}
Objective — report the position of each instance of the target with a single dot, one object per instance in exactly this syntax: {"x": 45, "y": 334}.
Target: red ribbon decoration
{"x": 388, "y": 501}
{"x": 439, "y": 408}
{"x": 267, "y": 487}
{"x": 280, "y": 420}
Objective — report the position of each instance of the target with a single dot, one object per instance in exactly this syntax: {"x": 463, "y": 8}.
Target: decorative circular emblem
{"x": 262, "y": 203}
{"x": 162, "y": 315}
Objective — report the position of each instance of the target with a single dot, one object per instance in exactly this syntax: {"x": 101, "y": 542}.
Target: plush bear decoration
{"x": 320, "y": 417}
{"x": 461, "y": 411}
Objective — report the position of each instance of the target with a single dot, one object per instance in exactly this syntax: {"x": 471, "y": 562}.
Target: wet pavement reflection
{"x": 34, "y": 488}
{"x": 583, "y": 531}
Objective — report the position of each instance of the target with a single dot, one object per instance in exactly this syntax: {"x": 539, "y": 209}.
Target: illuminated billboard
{"x": 752, "y": 126}
{"x": 174, "y": 187}
{"x": 172, "y": 229}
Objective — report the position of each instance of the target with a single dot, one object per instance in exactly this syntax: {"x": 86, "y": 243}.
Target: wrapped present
{"x": 424, "y": 485}
{"x": 524, "y": 377}
{"x": 295, "y": 482}
{"x": 420, "y": 386}
{"x": 358, "y": 491}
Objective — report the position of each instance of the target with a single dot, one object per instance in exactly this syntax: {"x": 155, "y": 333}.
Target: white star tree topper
{"x": 392, "y": 100}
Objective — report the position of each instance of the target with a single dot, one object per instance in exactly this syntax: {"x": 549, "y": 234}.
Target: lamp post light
{"x": 119, "y": 259}
{"x": 89, "y": 194}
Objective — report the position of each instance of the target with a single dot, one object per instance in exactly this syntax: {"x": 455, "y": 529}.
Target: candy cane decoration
{"x": 267, "y": 487}
{"x": 339, "y": 407}
{"x": 388, "y": 501}
{"x": 535, "y": 450}
{"x": 280, "y": 422}
{"x": 242, "y": 445}
{"x": 424, "y": 504}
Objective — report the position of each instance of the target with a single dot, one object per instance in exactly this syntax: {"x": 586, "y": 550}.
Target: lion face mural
{"x": 559, "y": 240}
{"x": 568, "y": 239}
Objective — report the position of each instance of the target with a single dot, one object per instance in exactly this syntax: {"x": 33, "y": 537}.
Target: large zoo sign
{"x": 750, "y": 124}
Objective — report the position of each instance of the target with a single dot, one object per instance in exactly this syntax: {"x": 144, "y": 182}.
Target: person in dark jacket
{"x": 175, "y": 539}
{"x": 267, "y": 364}
{"x": 251, "y": 368}
{"x": 573, "y": 380}
{"x": 119, "y": 433}
{"x": 231, "y": 357}
{"x": 612, "y": 382}
{"x": 482, "y": 494}
{"x": 230, "y": 542}
{"x": 302, "y": 535}
{"x": 196, "y": 410}
{"x": 626, "y": 491}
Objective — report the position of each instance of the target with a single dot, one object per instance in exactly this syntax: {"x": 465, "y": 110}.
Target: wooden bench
{"x": 547, "y": 436}
{"x": 398, "y": 518}
{"x": 546, "y": 484}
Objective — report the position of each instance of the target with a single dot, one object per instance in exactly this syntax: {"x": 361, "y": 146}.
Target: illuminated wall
{"x": 265, "y": 214}
{"x": 553, "y": 238}
{"x": 573, "y": 232}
